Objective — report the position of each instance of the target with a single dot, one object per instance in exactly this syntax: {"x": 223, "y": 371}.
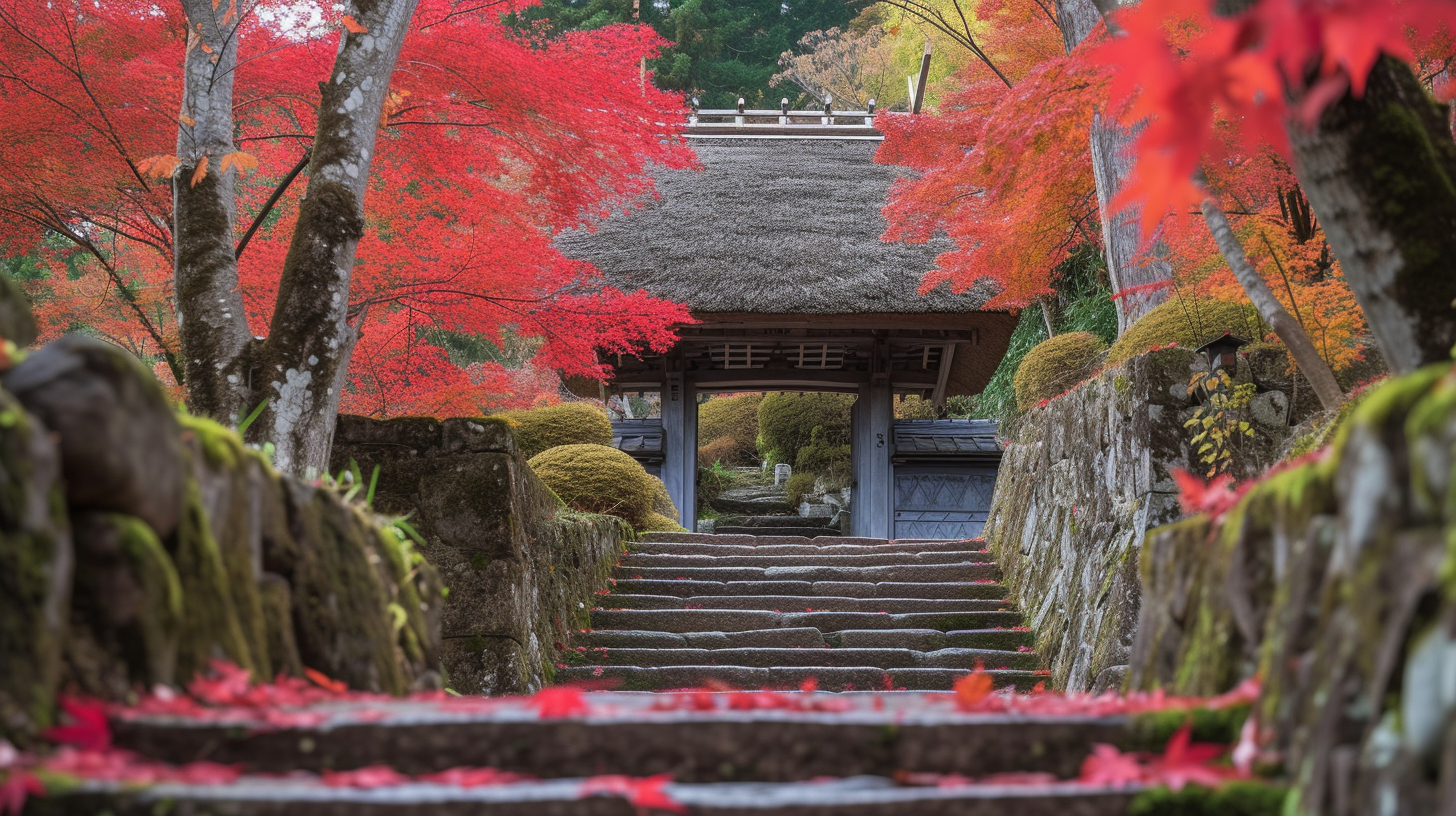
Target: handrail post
{"x": 739, "y": 119}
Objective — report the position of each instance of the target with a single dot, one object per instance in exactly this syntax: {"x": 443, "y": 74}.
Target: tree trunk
{"x": 1380, "y": 172}
{"x": 1128, "y": 267}
{"x": 301, "y": 367}
{"x": 1306, "y": 357}
{"x": 210, "y": 316}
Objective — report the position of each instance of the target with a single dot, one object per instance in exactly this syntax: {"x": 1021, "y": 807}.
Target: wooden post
{"x": 917, "y": 95}
{"x": 873, "y": 503}
{"x": 679, "y": 440}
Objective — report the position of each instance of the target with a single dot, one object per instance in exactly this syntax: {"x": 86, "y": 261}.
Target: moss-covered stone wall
{"x": 1333, "y": 580}
{"x": 137, "y": 545}
{"x": 1081, "y": 481}
{"x": 522, "y": 570}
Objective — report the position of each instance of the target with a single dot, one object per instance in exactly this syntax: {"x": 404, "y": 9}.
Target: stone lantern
{"x": 1222, "y": 352}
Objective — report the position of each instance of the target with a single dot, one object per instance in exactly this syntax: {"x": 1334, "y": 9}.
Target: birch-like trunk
{"x": 302, "y": 365}
{"x": 1128, "y": 266}
{"x": 1380, "y": 173}
{"x": 1306, "y": 357}
{"x": 213, "y": 327}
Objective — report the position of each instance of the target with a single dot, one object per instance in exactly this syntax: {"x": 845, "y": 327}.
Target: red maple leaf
{"x": 559, "y": 702}
{"x": 1184, "y": 761}
{"x": 474, "y": 777}
{"x": 370, "y": 776}
{"x": 1106, "y": 765}
{"x": 1214, "y": 498}
{"x": 973, "y": 688}
{"x": 325, "y": 682}
{"x": 642, "y": 793}
{"x": 88, "y": 730}
{"x": 17, "y": 787}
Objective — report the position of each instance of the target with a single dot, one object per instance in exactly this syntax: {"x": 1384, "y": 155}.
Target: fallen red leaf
{"x": 644, "y": 793}
{"x": 371, "y": 776}
{"x": 88, "y": 730}
{"x": 18, "y": 786}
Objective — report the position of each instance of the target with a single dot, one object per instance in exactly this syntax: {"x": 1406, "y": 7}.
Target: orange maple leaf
{"x": 245, "y": 162}
{"x": 973, "y": 688}
{"x": 200, "y": 172}
{"x": 157, "y": 167}
{"x": 354, "y": 26}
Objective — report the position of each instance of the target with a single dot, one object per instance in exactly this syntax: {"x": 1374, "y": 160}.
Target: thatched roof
{"x": 772, "y": 226}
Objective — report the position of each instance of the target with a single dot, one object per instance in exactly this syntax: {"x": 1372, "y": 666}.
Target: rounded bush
{"x": 728, "y": 428}
{"x": 658, "y": 523}
{"x": 824, "y": 460}
{"x": 597, "y": 479}
{"x": 1054, "y": 366}
{"x": 662, "y": 500}
{"x": 721, "y": 450}
{"x": 570, "y": 423}
{"x": 798, "y": 486}
{"x": 1189, "y": 322}
{"x": 786, "y": 423}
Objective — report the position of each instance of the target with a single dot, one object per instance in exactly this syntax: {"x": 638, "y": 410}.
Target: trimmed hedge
{"x": 786, "y": 423}
{"x": 661, "y": 501}
{"x": 1189, "y": 322}
{"x": 798, "y": 486}
{"x": 1054, "y": 366}
{"x": 570, "y": 423}
{"x": 728, "y": 430}
{"x": 658, "y": 523}
{"x": 598, "y": 479}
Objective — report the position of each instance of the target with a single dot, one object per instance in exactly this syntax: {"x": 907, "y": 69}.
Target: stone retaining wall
{"x": 522, "y": 571}
{"x": 1334, "y": 580}
{"x": 1081, "y": 481}
{"x": 137, "y": 545}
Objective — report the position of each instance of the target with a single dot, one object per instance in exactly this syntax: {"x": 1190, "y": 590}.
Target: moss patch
{"x": 570, "y": 423}
{"x": 1055, "y": 366}
{"x": 597, "y": 479}
{"x": 1188, "y": 322}
{"x": 1233, "y": 799}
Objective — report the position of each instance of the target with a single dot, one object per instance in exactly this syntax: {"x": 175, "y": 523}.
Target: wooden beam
{"x": 946, "y": 358}
{"x": 918, "y": 98}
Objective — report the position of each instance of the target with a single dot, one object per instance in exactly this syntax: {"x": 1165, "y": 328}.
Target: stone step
{"x": 630, "y": 734}
{"x": 759, "y": 522}
{"x": 805, "y": 603}
{"x": 961, "y": 659}
{"x": 828, "y": 678}
{"x": 922, "y": 573}
{"x": 716, "y": 620}
{"x": 859, "y": 796}
{"x": 920, "y": 640}
{"x": 807, "y": 531}
{"x": 755, "y": 540}
{"x": 666, "y": 548}
{"x": 767, "y": 560}
{"x": 927, "y": 640}
{"x": 969, "y": 590}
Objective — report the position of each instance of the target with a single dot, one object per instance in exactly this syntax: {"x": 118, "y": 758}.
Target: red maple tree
{"x": 490, "y": 142}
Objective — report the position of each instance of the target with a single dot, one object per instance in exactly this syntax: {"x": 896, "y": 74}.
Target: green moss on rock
{"x": 658, "y": 523}
{"x": 570, "y": 423}
{"x": 212, "y": 626}
{"x": 1054, "y": 366}
{"x": 597, "y": 479}
{"x": 1233, "y": 799}
{"x": 1188, "y": 322}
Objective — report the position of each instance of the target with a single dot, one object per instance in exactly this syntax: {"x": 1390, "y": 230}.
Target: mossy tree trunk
{"x": 1129, "y": 268}
{"x": 1380, "y": 173}
{"x": 299, "y": 368}
{"x": 211, "y": 320}
{"x": 1306, "y": 356}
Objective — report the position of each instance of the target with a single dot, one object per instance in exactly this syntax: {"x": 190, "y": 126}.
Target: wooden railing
{"x": 825, "y": 122}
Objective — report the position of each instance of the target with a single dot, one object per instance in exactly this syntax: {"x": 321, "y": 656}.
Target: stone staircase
{"x": 690, "y": 610}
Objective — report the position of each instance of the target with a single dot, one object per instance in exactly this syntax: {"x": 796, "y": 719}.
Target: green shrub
{"x": 720, "y": 451}
{"x": 798, "y": 486}
{"x": 833, "y": 461}
{"x": 1054, "y": 366}
{"x": 570, "y": 423}
{"x": 734, "y": 419}
{"x": 658, "y": 523}
{"x": 597, "y": 479}
{"x": 713, "y": 480}
{"x": 786, "y": 423}
{"x": 914, "y": 406}
{"x": 1189, "y": 322}
{"x": 662, "y": 500}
